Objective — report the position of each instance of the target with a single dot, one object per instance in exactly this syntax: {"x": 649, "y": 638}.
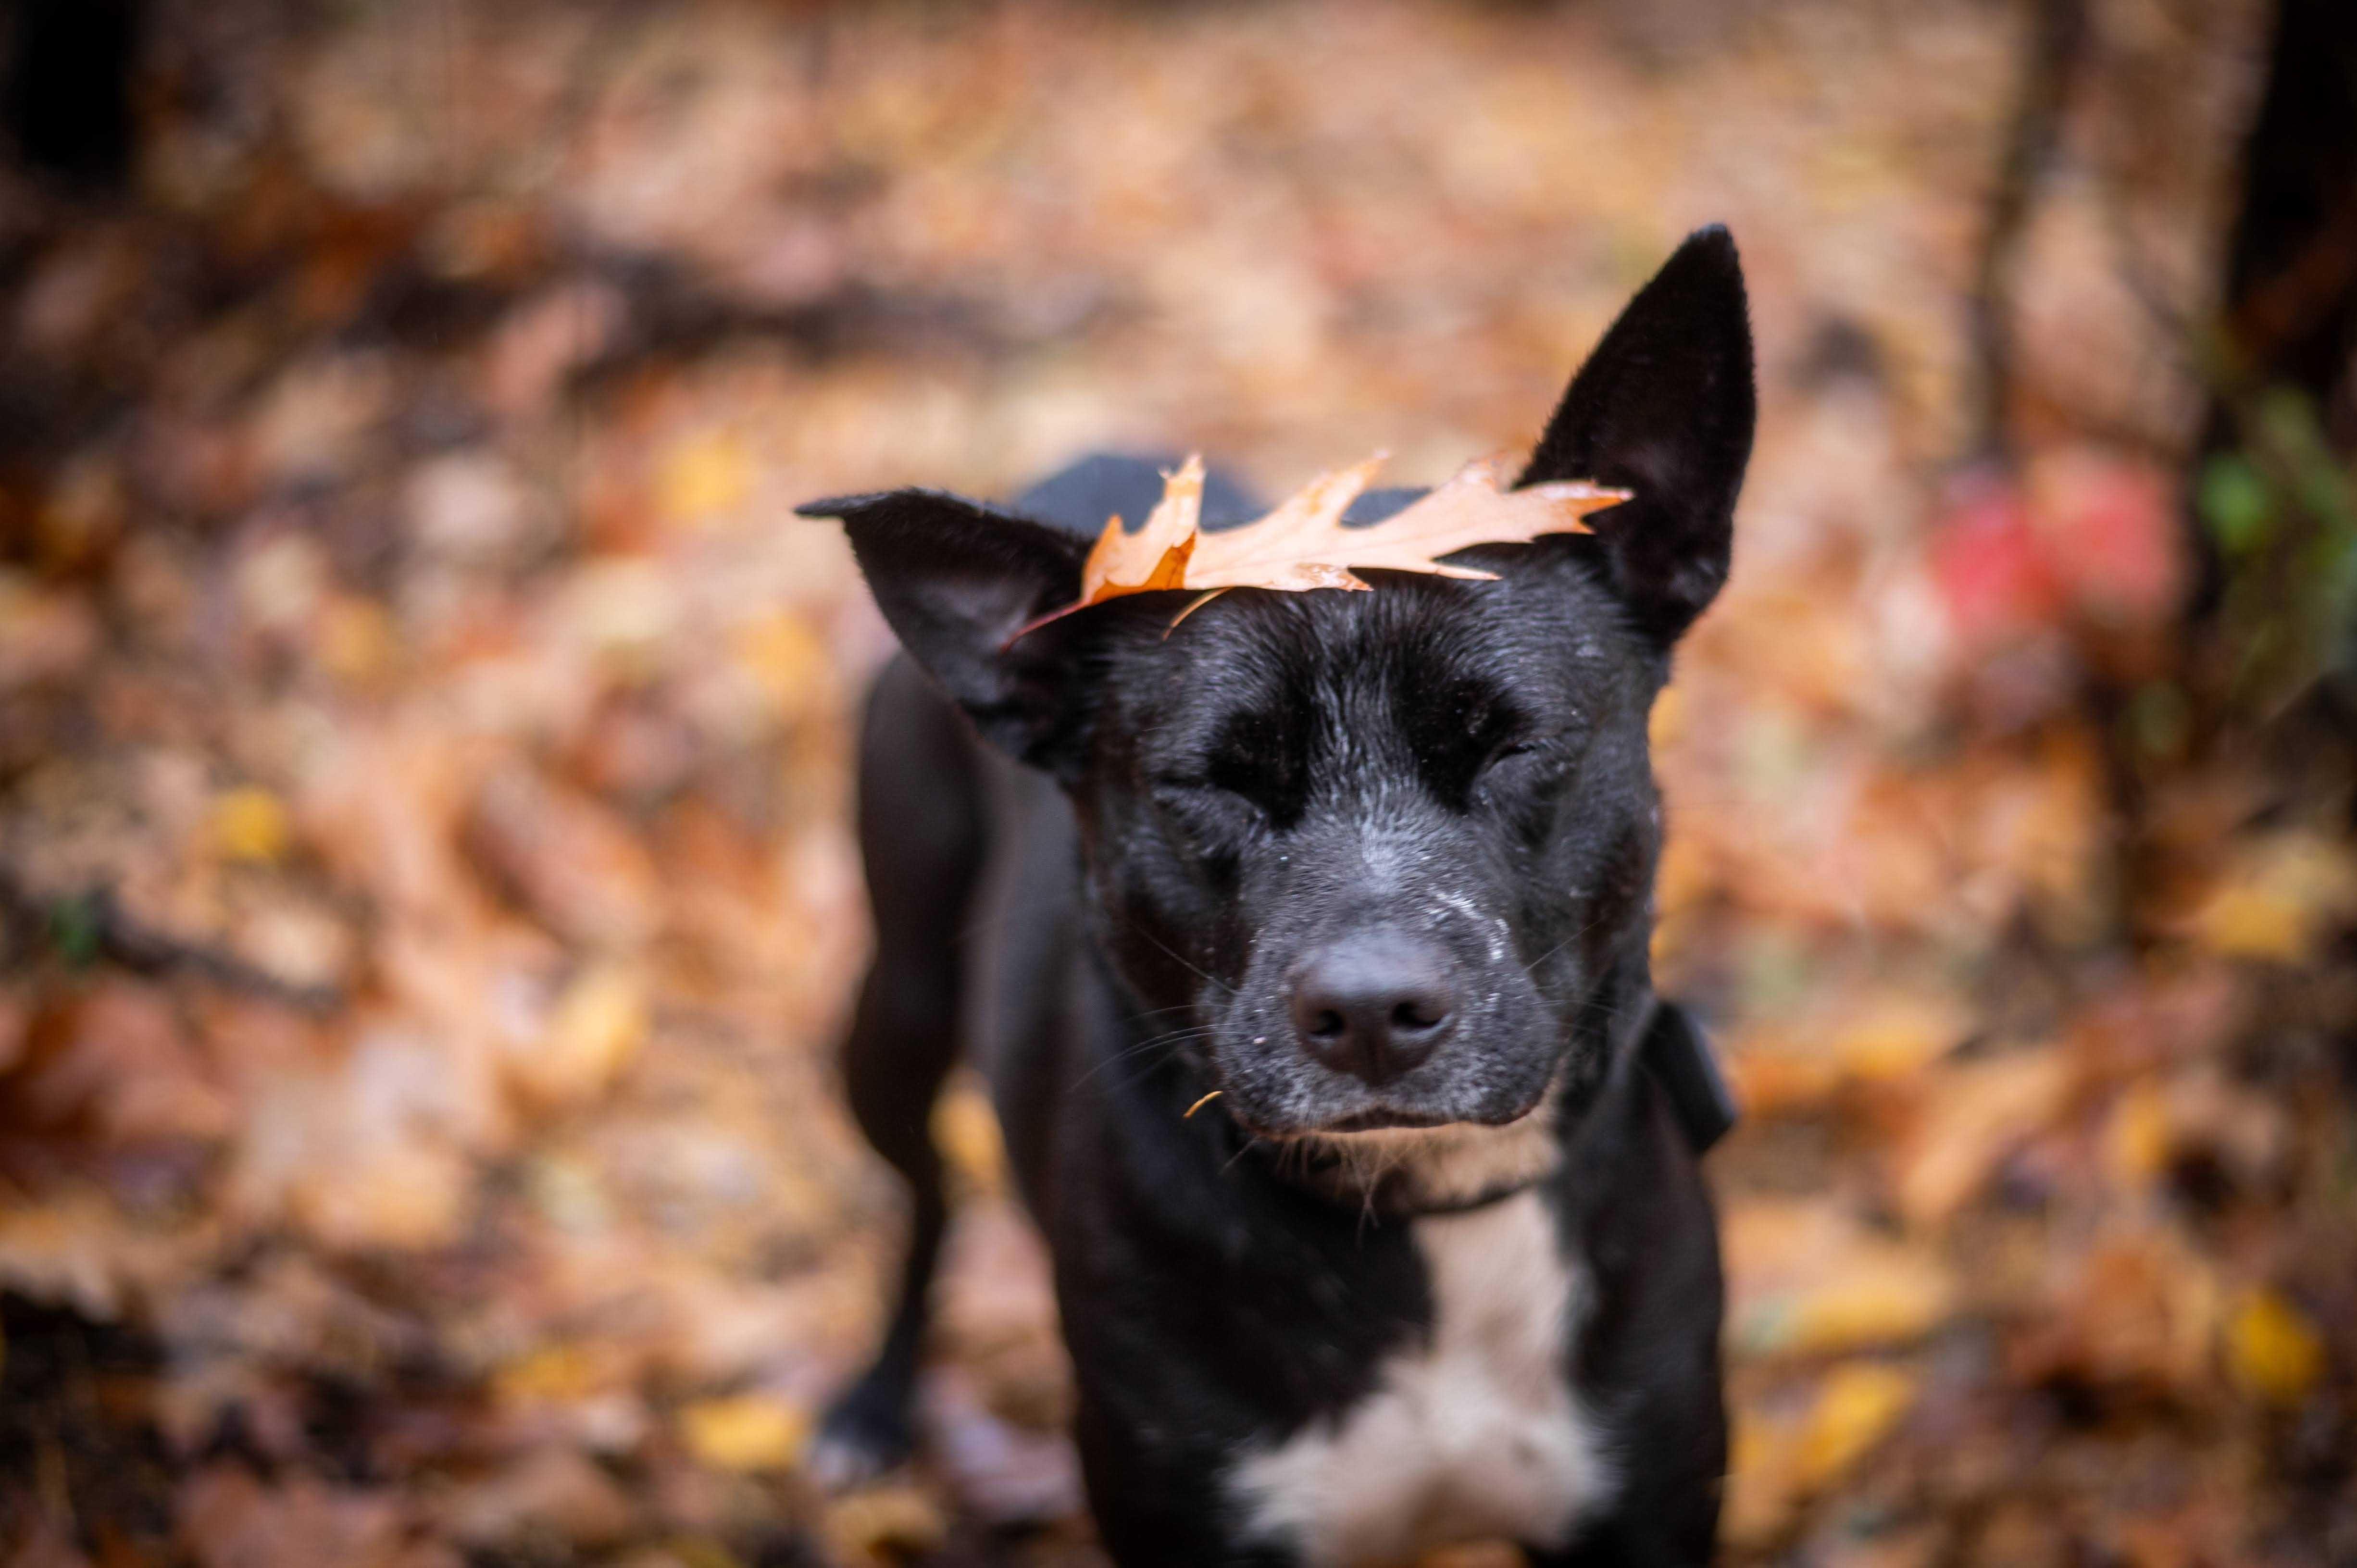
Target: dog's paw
{"x": 867, "y": 1435}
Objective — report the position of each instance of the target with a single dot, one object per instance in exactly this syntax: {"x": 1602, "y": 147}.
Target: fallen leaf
{"x": 1303, "y": 543}
{"x": 2280, "y": 901}
{"x": 1761, "y": 1488}
{"x": 1476, "y": 1554}
{"x": 1881, "y": 1037}
{"x": 250, "y": 824}
{"x": 598, "y": 1023}
{"x": 965, "y": 1131}
{"x": 745, "y": 1432}
{"x": 704, "y": 476}
{"x": 2273, "y": 1349}
{"x": 868, "y": 1525}
{"x": 1785, "y": 1452}
{"x": 2136, "y": 1138}
{"x": 567, "y": 858}
{"x": 44, "y": 635}
{"x": 559, "y": 1373}
{"x": 116, "y": 1063}
{"x": 1808, "y": 1280}
{"x": 789, "y": 663}
{"x": 229, "y": 1520}
{"x": 1856, "y": 1407}
{"x": 1974, "y": 1115}
{"x": 2143, "y": 1309}
{"x": 554, "y": 1494}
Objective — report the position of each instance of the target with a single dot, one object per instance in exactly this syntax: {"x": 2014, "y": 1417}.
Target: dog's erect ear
{"x": 1665, "y": 407}
{"x": 956, "y": 579}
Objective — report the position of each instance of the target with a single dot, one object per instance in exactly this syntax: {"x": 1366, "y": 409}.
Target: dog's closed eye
{"x": 1467, "y": 734}
{"x": 1254, "y": 758}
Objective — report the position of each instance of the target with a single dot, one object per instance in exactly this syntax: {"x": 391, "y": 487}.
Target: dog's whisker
{"x": 1180, "y": 958}
{"x": 1159, "y": 1012}
{"x": 1563, "y": 944}
{"x": 1173, "y": 1037}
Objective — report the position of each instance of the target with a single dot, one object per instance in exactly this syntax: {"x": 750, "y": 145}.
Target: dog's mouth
{"x": 1381, "y": 1121}
{"x": 1378, "y": 1118}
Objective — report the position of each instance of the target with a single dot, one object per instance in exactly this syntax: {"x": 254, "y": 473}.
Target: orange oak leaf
{"x": 1155, "y": 557}
{"x": 1303, "y": 543}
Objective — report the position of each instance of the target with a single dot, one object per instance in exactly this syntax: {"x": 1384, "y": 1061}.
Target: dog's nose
{"x": 1373, "y": 1005}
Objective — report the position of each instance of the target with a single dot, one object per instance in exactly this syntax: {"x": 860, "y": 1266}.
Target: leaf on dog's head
{"x": 1155, "y": 557}
{"x": 1303, "y": 543}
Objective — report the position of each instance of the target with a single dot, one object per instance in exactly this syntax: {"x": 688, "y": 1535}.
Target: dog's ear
{"x": 1665, "y": 407}
{"x": 956, "y": 580}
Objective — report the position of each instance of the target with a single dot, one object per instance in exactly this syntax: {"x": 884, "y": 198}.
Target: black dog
{"x": 1438, "y": 1262}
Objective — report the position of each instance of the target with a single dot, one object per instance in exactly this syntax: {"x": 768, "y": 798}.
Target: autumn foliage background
{"x": 428, "y": 896}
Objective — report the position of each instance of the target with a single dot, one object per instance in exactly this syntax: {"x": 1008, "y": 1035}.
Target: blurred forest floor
{"x": 428, "y": 896}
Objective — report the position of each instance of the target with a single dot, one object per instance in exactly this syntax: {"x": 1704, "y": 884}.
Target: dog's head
{"x": 1374, "y": 852}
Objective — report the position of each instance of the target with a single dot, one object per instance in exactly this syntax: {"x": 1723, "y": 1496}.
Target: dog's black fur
{"x": 1355, "y": 860}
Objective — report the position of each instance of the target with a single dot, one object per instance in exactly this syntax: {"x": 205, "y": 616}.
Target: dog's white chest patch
{"x": 1474, "y": 1434}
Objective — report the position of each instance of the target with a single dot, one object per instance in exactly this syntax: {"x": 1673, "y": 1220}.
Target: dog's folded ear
{"x": 1665, "y": 407}
{"x": 957, "y": 579}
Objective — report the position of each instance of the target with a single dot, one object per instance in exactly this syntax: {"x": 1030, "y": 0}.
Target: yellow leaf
{"x": 1876, "y": 1039}
{"x": 745, "y": 1432}
{"x": 789, "y": 663}
{"x": 866, "y": 1525}
{"x": 1885, "y": 1301}
{"x": 1856, "y": 1407}
{"x": 1807, "y": 1279}
{"x": 697, "y": 1551}
{"x": 1763, "y": 1484}
{"x": 1667, "y": 721}
{"x": 2253, "y": 923}
{"x": 1892, "y": 1037}
{"x": 250, "y": 824}
{"x": 966, "y": 1130}
{"x": 356, "y": 640}
{"x": 702, "y": 477}
{"x": 599, "y": 1021}
{"x": 2136, "y": 1143}
{"x": 2273, "y": 1349}
{"x": 2281, "y": 900}
{"x": 552, "y": 1374}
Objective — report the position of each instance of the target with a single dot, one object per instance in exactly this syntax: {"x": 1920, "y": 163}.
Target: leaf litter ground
{"x": 427, "y": 888}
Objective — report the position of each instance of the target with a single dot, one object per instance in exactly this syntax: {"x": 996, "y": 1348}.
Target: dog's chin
{"x": 1408, "y": 1161}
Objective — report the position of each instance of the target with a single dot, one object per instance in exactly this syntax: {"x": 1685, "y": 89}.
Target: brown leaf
{"x": 1303, "y": 543}
{"x": 566, "y": 858}
{"x": 1974, "y": 1115}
